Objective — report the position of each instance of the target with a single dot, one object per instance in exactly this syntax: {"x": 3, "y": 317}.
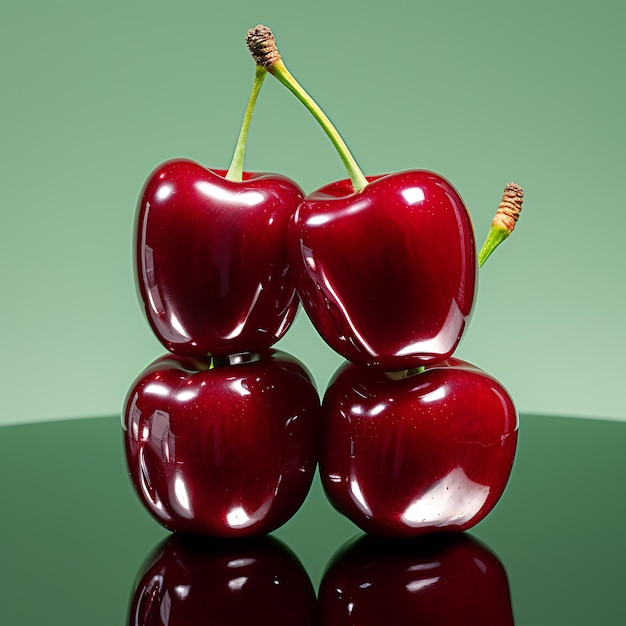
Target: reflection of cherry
{"x": 440, "y": 580}
{"x": 192, "y": 581}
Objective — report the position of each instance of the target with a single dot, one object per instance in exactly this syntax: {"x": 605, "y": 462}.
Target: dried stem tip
{"x": 510, "y": 207}
{"x": 262, "y": 45}
{"x": 503, "y": 221}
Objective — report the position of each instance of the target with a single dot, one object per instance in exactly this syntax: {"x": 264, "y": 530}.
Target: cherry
{"x": 428, "y": 452}
{"x": 385, "y": 266}
{"x": 224, "y": 448}
{"x": 388, "y": 274}
{"x": 211, "y": 261}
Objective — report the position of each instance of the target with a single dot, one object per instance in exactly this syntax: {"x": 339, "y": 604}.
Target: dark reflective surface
{"x": 73, "y": 535}
{"x": 192, "y": 581}
{"x": 440, "y": 580}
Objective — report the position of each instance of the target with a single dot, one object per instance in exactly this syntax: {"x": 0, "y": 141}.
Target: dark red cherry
{"x": 226, "y": 450}
{"x": 388, "y": 274}
{"x": 429, "y": 452}
{"x": 211, "y": 259}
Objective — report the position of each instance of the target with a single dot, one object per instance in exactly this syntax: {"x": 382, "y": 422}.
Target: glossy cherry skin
{"x": 211, "y": 260}
{"x": 224, "y": 452}
{"x": 192, "y": 582}
{"x": 430, "y": 452}
{"x": 386, "y": 275}
{"x": 439, "y": 580}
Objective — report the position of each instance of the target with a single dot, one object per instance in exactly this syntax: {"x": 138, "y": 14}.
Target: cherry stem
{"x": 402, "y": 374}
{"x": 262, "y": 46}
{"x": 503, "y": 221}
{"x": 279, "y": 71}
{"x": 495, "y": 236}
{"x": 235, "y": 171}
{"x": 218, "y": 361}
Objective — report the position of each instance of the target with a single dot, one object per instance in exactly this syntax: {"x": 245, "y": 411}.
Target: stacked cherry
{"x": 413, "y": 440}
{"x": 221, "y": 435}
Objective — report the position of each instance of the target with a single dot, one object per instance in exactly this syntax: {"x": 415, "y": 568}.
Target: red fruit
{"x": 387, "y": 275}
{"x": 226, "y": 452}
{"x": 430, "y": 452}
{"x": 211, "y": 260}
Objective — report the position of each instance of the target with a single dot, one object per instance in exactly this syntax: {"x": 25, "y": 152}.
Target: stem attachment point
{"x": 402, "y": 374}
{"x": 235, "y": 171}
{"x": 504, "y": 220}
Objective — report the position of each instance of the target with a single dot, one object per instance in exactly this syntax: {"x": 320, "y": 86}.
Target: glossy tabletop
{"x": 76, "y": 546}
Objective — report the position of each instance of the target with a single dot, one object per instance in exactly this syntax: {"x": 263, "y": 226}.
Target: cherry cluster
{"x": 224, "y": 433}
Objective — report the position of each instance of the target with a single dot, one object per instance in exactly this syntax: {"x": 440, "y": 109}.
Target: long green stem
{"x": 262, "y": 46}
{"x": 235, "y": 171}
{"x": 279, "y": 71}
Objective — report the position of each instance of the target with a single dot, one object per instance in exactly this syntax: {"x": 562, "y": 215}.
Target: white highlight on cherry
{"x": 454, "y": 499}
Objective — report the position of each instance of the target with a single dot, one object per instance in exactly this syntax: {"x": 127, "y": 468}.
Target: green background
{"x": 95, "y": 95}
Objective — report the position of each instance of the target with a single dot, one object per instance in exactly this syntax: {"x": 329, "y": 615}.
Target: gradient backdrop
{"x": 95, "y": 95}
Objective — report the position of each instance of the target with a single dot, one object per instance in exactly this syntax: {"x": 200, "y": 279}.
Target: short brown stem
{"x": 262, "y": 45}
{"x": 510, "y": 207}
